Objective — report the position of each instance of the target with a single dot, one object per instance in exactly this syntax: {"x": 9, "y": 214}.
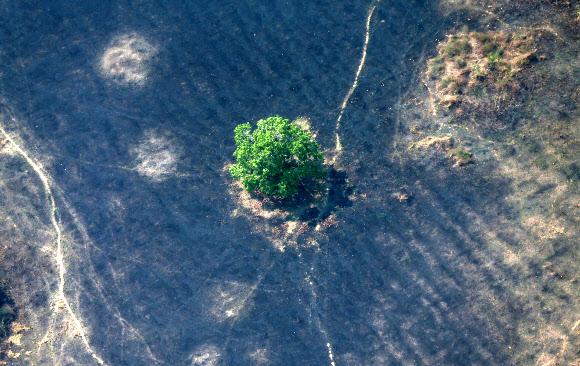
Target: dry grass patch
{"x": 475, "y": 73}
{"x": 455, "y": 152}
{"x": 460, "y": 156}
{"x": 444, "y": 143}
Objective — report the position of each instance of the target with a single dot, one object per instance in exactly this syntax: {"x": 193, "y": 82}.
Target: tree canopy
{"x": 275, "y": 157}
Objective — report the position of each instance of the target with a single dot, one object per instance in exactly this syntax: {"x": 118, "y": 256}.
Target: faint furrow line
{"x": 245, "y": 299}
{"x": 316, "y": 317}
{"x": 125, "y": 324}
{"x": 123, "y": 168}
{"x": 59, "y": 257}
{"x": 338, "y": 150}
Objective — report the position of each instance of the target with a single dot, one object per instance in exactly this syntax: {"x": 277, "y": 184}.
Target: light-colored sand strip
{"x": 338, "y": 147}
{"x": 338, "y": 150}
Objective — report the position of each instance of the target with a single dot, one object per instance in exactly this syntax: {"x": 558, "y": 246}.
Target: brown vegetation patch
{"x": 475, "y": 73}
{"x": 444, "y": 143}
{"x": 458, "y": 154}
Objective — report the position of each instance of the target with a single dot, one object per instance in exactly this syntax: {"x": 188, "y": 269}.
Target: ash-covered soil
{"x": 127, "y": 110}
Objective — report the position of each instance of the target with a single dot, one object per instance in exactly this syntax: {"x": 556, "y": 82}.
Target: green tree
{"x": 275, "y": 157}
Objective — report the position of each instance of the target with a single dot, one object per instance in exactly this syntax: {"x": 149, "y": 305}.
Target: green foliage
{"x": 478, "y": 72}
{"x": 437, "y": 66}
{"x": 275, "y": 157}
{"x": 460, "y": 62}
{"x": 461, "y": 153}
{"x": 457, "y": 47}
{"x": 461, "y": 156}
{"x": 494, "y": 61}
{"x": 490, "y": 46}
{"x": 445, "y": 82}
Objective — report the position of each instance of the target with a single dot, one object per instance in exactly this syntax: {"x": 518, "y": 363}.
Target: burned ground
{"x": 129, "y": 108}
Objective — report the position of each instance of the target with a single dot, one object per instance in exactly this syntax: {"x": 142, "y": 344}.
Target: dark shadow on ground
{"x": 7, "y": 314}
{"x": 315, "y": 201}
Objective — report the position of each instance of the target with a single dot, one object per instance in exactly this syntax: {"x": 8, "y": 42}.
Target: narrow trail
{"x": 338, "y": 150}
{"x": 316, "y": 318}
{"x": 338, "y": 147}
{"x": 46, "y": 183}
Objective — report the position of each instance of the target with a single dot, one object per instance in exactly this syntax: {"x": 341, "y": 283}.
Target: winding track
{"x": 338, "y": 150}
{"x": 46, "y": 183}
{"x": 361, "y": 64}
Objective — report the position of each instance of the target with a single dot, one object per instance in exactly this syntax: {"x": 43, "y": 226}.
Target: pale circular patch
{"x": 125, "y": 61}
{"x": 207, "y": 355}
{"x": 156, "y": 156}
{"x": 260, "y": 356}
{"x": 229, "y": 300}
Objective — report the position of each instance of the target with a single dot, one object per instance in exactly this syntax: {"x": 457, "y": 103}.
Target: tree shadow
{"x": 7, "y": 313}
{"x": 316, "y": 200}
{"x": 420, "y": 285}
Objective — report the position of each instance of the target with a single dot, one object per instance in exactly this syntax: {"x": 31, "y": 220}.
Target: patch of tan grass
{"x": 475, "y": 73}
{"x": 458, "y": 154}
{"x": 444, "y": 143}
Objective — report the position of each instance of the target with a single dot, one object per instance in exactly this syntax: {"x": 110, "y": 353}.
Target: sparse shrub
{"x": 478, "y": 91}
{"x": 490, "y": 46}
{"x": 275, "y": 157}
{"x": 437, "y": 66}
{"x": 445, "y": 83}
{"x": 493, "y": 61}
{"x": 460, "y": 62}
{"x": 461, "y": 156}
{"x": 457, "y": 47}
{"x": 478, "y": 72}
